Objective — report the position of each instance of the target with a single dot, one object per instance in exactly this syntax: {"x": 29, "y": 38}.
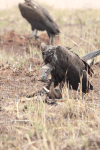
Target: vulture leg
{"x": 36, "y": 37}
{"x": 50, "y": 37}
{"x": 33, "y": 35}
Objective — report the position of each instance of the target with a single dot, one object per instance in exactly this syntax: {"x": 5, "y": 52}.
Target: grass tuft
{"x": 29, "y": 123}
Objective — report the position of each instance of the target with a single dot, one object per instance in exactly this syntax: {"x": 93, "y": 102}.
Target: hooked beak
{"x": 46, "y": 70}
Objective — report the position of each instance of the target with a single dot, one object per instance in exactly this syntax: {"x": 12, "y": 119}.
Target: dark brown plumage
{"x": 67, "y": 66}
{"x": 39, "y": 18}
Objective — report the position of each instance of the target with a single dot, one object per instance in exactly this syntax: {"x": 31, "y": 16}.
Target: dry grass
{"x": 73, "y": 124}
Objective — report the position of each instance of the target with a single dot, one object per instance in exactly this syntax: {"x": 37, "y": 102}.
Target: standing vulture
{"x": 39, "y": 18}
{"x": 65, "y": 65}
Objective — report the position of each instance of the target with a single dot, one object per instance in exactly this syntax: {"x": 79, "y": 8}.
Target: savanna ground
{"x": 73, "y": 123}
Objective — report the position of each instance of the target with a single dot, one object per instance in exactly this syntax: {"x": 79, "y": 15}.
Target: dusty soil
{"x": 14, "y": 82}
{"x": 17, "y": 83}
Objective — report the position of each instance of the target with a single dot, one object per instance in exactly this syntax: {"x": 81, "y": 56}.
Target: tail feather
{"x": 91, "y": 55}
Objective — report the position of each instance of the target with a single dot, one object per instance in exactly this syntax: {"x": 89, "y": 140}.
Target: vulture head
{"x": 47, "y": 55}
{"x": 47, "y": 52}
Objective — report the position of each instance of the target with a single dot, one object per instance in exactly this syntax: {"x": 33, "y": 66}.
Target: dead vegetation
{"x": 73, "y": 123}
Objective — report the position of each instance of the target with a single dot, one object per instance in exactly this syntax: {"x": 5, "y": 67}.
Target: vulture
{"x": 66, "y": 66}
{"x": 39, "y": 18}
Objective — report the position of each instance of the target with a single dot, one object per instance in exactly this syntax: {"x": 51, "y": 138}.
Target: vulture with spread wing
{"x": 39, "y": 18}
{"x": 65, "y": 65}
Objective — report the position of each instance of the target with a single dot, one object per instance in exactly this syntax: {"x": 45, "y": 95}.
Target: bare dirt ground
{"x": 21, "y": 46}
{"x": 13, "y": 82}
{"x": 16, "y": 83}
{"x": 72, "y": 123}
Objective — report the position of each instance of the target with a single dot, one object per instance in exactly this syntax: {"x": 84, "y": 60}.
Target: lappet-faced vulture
{"x": 64, "y": 65}
{"x": 39, "y": 18}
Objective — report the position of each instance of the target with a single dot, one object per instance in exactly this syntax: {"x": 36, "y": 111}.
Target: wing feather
{"x": 38, "y": 17}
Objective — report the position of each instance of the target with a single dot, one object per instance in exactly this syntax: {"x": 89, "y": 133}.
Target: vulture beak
{"x": 46, "y": 70}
